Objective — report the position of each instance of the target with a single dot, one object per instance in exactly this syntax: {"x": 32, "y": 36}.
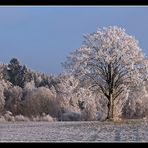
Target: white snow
{"x": 73, "y": 132}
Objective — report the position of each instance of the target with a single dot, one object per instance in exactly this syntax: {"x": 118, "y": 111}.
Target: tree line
{"x": 106, "y": 78}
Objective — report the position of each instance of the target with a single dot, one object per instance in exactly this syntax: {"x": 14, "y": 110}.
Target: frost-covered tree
{"x": 25, "y": 76}
{"x": 13, "y": 99}
{"x": 3, "y": 86}
{"x": 112, "y": 60}
{"x": 3, "y": 72}
{"x": 74, "y": 97}
{"x": 38, "y": 101}
{"x": 29, "y": 85}
{"x": 137, "y": 104}
{"x": 2, "y": 97}
{"x": 66, "y": 93}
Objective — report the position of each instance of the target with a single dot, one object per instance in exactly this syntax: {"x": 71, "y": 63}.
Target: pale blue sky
{"x": 42, "y": 37}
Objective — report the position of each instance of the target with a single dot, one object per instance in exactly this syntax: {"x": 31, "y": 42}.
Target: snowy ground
{"x": 73, "y": 131}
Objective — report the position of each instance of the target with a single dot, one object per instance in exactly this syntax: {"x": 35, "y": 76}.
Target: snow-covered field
{"x": 73, "y": 131}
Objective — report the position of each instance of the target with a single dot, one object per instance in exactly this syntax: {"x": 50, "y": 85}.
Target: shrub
{"x": 8, "y": 116}
{"x": 89, "y": 113}
{"x": 47, "y": 118}
{"x": 40, "y": 101}
{"x": 2, "y": 119}
{"x": 3, "y": 86}
{"x": 137, "y": 104}
{"x": 21, "y": 118}
{"x": 13, "y": 99}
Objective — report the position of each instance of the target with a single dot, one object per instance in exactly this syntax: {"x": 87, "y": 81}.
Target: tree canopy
{"x": 112, "y": 60}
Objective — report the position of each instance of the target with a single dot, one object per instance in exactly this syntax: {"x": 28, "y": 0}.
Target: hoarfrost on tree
{"x": 112, "y": 60}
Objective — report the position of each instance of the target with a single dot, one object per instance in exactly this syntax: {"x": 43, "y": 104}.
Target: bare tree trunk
{"x": 110, "y": 108}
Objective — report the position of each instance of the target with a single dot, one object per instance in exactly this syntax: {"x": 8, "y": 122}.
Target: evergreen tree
{"x": 18, "y": 75}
